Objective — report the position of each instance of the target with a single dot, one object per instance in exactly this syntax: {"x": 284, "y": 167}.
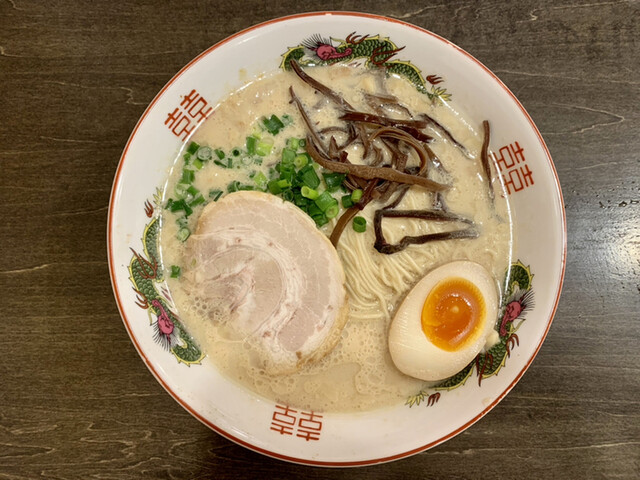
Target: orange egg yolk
{"x": 452, "y": 313}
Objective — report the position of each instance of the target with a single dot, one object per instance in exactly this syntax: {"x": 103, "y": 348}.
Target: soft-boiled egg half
{"x": 444, "y": 321}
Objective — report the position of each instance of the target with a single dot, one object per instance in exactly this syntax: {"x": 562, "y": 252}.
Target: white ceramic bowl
{"x": 336, "y": 439}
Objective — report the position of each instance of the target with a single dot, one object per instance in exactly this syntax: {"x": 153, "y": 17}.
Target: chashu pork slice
{"x": 273, "y": 279}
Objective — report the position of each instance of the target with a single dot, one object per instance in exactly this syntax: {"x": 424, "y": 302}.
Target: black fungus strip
{"x": 381, "y": 120}
{"x": 335, "y": 97}
{"x": 368, "y": 172}
{"x": 484, "y": 157}
{"x": 382, "y": 246}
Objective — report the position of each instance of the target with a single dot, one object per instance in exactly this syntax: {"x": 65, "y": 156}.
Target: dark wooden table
{"x": 76, "y": 401}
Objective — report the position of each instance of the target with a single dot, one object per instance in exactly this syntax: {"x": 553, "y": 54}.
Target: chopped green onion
{"x": 286, "y": 119}
{"x": 309, "y": 177}
{"x": 273, "y": 124}
{"x": 264, "y": 147}
{"x": 168, "y": 204}
{"x": 180, "y": 190}
{"x": 181, "y": 204}
{"x": 204, "y": 154}
{"x": 233, "y": 186}
{"x": 193, "y": 191}
{"x": 284, "y": 183}
{"x": 260, "y": 180}
{"x": 293, "y": 143}
{"x": 193, "y": 148}
{"x": 198, "y": 163}
{"x": 301, "y": 160}
{"x": 309, "y": 192}
{"x": 199, "y": 199}
{"x": 183, "y": 234}
{"x": 320, "y": 219}
{"x": 347, "y": 202}
{"x": 288, "y": 156}
{"x": 187, "y": 158}
{"x": 302, "y": 143}
{"x": 325, "y": 200}
{"x": 251, "y": 145}
{"x": 182, "y": 221}
{"x": 175, "y": 271}
{"x": 314, "y": 210}
{"x": 219, "y": 153}
{"x": 287, "y": 195}
{"x": 246, "y": 161}
{"x": 333, "y": 180}
{"x": 223, "y": 164}
{"x": 288, "y": 174}
{"x": 215, "y": 194}
{"x": 301, "y": 201}
{"x": 273, "y": 187}
{"x": 257, "y": 161}
{"x": 359, "y": 224}
{"x": 188, "y": 175}
{"x": 235, "y": 152}
{"x": 356, "y": 195}
{"x": 333, "y": 210}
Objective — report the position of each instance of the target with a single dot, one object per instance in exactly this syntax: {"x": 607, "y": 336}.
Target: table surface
{"x": 76, "y": 401}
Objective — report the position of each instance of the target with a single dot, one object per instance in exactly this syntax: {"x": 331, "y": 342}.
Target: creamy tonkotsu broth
{"x": 359, "y": 373}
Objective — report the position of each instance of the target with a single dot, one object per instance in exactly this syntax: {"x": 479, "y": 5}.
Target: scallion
{"x": 215, "y": 194}
{"x": 288, "y": 156}
{"x": 273, "y": 124}
{"x": 188, "y": 175}
{"x": 251, "y": 145}
{"x": 293, "y": 143}
{"x": 287, "y": 195}
{"x": 264, "y": 147}
{"x": 309, "y": 193}
{"x": 301, "y": 160}
{"x": 333, "y": 180}
{"x": 309, "y": 177}
{"x": 356, "y": 195}
{"x": 198, "y": 163}
{"x": 347, "y": 202}
{"x": 219, "y": 153}
{"x": 320, "y": 219}
{"x": 175, "y": 271}
{"x": 260, "y": 180}
{"x": 180, "y": 190}
{"x": 178, "y": 205}
{"x": 273, "y": 187}
{"x": 199, "y": 199}
{"x": 332, "y": 210}
{"x": 183, "y": 234}
{"x": 325, "y": 200}
{"x": 284, "y": 183}
{"x": 359, "y": 224}
{"x": 204, "y": 154}
{"x": 193, "y": 148}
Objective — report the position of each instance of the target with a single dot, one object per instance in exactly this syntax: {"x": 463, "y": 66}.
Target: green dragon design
{"x": 145, "y": 272}
{"x": 375, "y": 51}
{"x": 517, "y": 297}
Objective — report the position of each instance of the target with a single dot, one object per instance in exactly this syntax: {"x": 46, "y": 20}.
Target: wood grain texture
{"x": 76, "y": 401}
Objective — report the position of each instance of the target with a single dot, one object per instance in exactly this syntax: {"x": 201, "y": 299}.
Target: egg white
{"x": 411, "y": 350}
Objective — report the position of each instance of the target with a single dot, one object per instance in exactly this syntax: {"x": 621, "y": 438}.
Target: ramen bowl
{"x": 432, "y": 415}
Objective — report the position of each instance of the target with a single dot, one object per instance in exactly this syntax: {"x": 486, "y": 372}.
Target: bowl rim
{"x": 185, "y": 404}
